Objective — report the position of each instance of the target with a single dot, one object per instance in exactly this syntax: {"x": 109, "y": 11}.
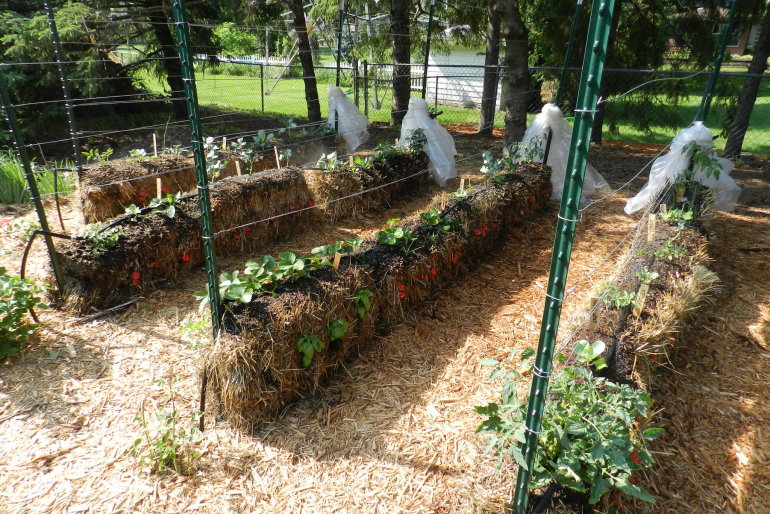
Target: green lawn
{"x": 239, "y": 92}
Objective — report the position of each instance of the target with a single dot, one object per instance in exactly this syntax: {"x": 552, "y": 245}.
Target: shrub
{"x": 17, "y": 296}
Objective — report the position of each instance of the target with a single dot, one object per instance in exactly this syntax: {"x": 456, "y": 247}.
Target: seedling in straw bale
{"x": 285, "y": 154}
{"x": 590, "y": 353}
{"x": 592, "y": 438}
{"x": 101, "y": 241}
{"x": 348, "y": 245}
{"x": 397, "y": 236}
{"x": 337, "y": 329}
{"x": 174, "y": 150}
{"x": 329, "y": 162}
{"x": 17, "y": 296}
{"x": 362, "y": 163}
{"x": 362, "y": 302}
{"x": 669, "y": 251}
{"x": 263, "y": 140}
{"x": 96, "y": 155}
{"x": 166, "y": 443}
{"x": 646, "y": 276}
{"x": 138, "y": 153}
{"x": 617, "y": 297}
{"x": 165, "y": 205}
{"x": 308, "y": 345}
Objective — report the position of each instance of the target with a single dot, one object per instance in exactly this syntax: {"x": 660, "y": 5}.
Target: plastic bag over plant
{"x": 712, "y": 172}
{"x": 536, "y": 137}
{"x": 440, "y": 146}
{"x": 351, "y": 123}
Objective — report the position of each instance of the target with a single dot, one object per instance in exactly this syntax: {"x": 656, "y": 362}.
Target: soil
{"x": 394, "y": 432}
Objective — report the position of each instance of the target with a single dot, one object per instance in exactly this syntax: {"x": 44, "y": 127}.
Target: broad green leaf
{"x": 652, "y": 433}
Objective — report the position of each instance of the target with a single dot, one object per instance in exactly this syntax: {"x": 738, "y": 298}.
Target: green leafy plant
{"x": 677, "y": 215}
{"x": 669, "y": 251}
{"x": 362, "y": 302}
{"x": 99, "y": 239}
{"x": 384, "y": 151}
{"x": 174, "y": 150}
{"x": 194, "y": 332}
{"x": 214, "y": 164}
{"x": 362, "y": 163}
{"x": 308, "y": 345}
{"x": 17, "y": 296}
{"x": 416, "y": 140}
{"x": 590, "y": 353}
{"x": 590, "y": 439}
{"x": 13, "y": 181}
{"x": 329, "y": 163}
{"x": 617, "y": 297}
{"x": 337, "y": 329}
{"x": 138, "y": 153}
{"x": 133, "y": 211}
{"x": 165, "y": 205}
{"x": 434, "y": 220}
{"x": 492, "y": 165}
{"x": 397, "y": 236}
{"x": 166, "y": 443}
{"x": 348, "y": 245}
{"x": 263, "y": 140}
{"x": 96, "y": 155}
{"x": 646, "y": 276}
{"x": 284, "y": 155}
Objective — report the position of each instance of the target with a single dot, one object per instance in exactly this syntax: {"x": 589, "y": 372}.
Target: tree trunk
{"x": 171, "y": 62}
{"x": 516, "y": 55}
{"x": 306, "y": 58}
{"x": 402, "y": 73}
{"x": 596, "y": 132}
{"x": 748, "y": 96}
{"x": 491, "y": 70}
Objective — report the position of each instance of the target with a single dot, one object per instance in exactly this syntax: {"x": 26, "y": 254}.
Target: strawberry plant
{"x": 670, "y": 252}
{"x": 308, "y": 345}
{"x": 17, "y": 296}
{"x": 646, "y": 276}
{"x": 617, "y": 297}
{"x": 362, "y": 302}
{"x": 100, "y": 240}
{"x": 348, "y": 245}
{"x": 397, "y": 236}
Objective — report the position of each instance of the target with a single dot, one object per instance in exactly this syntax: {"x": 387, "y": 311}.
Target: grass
{"x": 287, "y": 97}
{"x": 13, "y": 184}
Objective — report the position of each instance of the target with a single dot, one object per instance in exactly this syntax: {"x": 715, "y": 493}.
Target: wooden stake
{"x": 351, "y": 161}
{"x": 443, "y": 200}
{"x": 640, "y": 298}
{"x": 337, "y": 259}
{"x": 238, "y": 167}
{"x": 663, "y": 208}
{"x": 651, "y": 227}
{"x": 679, "y": 194}
{"x": 224, "y": 142}
{"x": 155, "y": 144}
{"x": 159, "y": 187}
{"x": 462, "y": 184}
{"x": 595, "y": 314}
{"x": 277, "y": 158}
{"x": 518, "y": 267}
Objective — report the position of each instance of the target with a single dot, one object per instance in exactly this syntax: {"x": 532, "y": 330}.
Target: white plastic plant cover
{"x": 352, "y": 124}
{"x": 667, "y": 168}
{"x": 533, "y": 148}
{"x": 440, "y": 146}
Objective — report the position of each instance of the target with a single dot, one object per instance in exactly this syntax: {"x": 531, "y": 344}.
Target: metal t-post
{"x": 564, "y": 66}
{"x": 73, "y": 129}
{"x": 29, "y": 175}
{"x": 427, "y": 50}
{"x": 705, "y": 105}
{"x": 588, "y": 96}
{"x": 339, "y": 59}
{"x": 191, "y": 99}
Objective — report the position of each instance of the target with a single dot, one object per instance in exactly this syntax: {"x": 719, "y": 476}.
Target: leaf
{"x": 527, "y": 353}
{"x": 489, "y": 362}
{"x": 598, "y": 489}
{"x": 652, "y": 433}
{"x": 633, "y": 490}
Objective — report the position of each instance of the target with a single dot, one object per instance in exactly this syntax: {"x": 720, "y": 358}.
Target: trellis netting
{"x": 349, "y": 121}
{"x": 439, "y": 146}
{"x": 667, "y": 168}
{"x": 533, "y": 145}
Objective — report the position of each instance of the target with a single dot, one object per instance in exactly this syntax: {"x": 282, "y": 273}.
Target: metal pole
{"x": 29, "y": 175}
{"x": 563, "y": 76}
{"x": 435, "y": 94}
{"x": 588, "y": 97}
{"x": 355, "y": 82}
{"x": 191, "y": 99}
{"x": 339, "y": 41}
{"x": 427, "y": 50}
{"x": 73, "y": 129}
{"x": 569, "y": 52}
{"x": 705, "y": 105}
{"x": 366, "y": 89}
{"x": 262, "y": 85}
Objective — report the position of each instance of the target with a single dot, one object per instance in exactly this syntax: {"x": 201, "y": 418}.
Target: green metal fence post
{"x": 564, "y": 66}
{"x": 427, "y": 49}
{"x": 703, "y": 111}
{"x": 29, "y": 175}
{"x": 73, "y": 129}
{"x": 191, "y": 97}
{"x": 588, "y": 97}
{"x": 339, "y": 41}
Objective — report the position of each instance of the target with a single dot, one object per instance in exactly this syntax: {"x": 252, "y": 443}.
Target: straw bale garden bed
{"x": 381, "y": 419}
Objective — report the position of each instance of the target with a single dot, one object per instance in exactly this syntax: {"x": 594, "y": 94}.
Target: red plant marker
{"x": 521, "y": 212}
{"x": 433, "y": 272}
{"x": 477, "y": 232}
{"x": 247, "y": 230}
{"x": 135, "y": 276}
{"x": 310, "y": 203}
{"x": 185, "y": 258}
{"x": 635, "y": 457}
{"x": 154, "y": 265}
{"x": 164, "y": 190}
{"x": 653, "y": 358}
{"x": 294, "y": 207}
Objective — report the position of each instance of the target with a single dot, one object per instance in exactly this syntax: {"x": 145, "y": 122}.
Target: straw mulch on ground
{"x": 394, "y": 432}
